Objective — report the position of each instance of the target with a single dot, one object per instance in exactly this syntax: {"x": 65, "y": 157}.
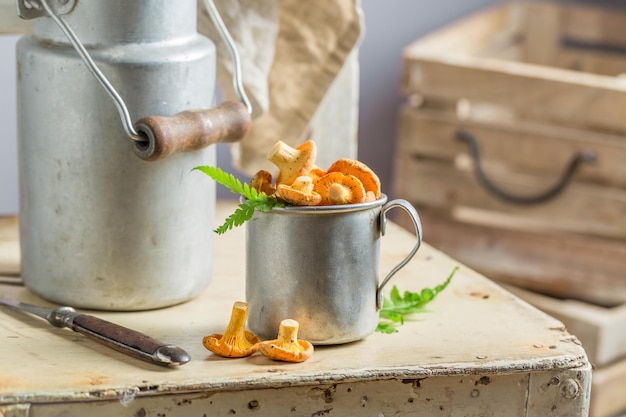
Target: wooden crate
{"x": 536, "y": 84}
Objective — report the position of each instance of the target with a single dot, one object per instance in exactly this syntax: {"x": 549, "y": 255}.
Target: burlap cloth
{"x": 291, "y": 51}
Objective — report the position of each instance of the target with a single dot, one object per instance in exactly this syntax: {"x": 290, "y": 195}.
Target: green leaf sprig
{"x": 254, "y": 199}
{"x": 398, "y": 307}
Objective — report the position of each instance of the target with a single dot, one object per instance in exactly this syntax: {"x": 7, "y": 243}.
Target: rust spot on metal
{"x": 253, "y": 405}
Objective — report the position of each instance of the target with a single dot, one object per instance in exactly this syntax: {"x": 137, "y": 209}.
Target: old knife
{"x": 117, "y": 337}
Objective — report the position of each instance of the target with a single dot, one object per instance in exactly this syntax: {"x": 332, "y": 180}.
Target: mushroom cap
{"x": 272, "y": 350}
{"x": 297, "y": 197}
{"x": 232, "y": 348}
{"x": 370, "y": 196}
{"x": 291, "y": 162}
{"x": 368, "y": 178}
{"x": 316, "y": 173}
{"x": 303, "y": 183}
{"x": 262, "y": 182}
{"x": 338, "y": 188}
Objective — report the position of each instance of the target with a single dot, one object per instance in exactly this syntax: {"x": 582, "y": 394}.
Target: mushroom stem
{"x": 303, "y": 183}
{"x": 337, "y": 194}
{"x": 287, "y": 347}
{"x": 288, "y": 336}
{"x": 234, "y": 333}
{"x": 282, "y": 154}
{"x": 292, "y": 162}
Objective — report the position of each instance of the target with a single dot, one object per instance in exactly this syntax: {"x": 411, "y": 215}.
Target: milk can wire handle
{"x": 119, "y": 102}
{"x": 91, "y": 65}
{"x": 237, "y": 77}
{"x": 415, "y": 218}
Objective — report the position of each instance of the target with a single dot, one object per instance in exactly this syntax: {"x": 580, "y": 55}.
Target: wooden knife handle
{"x": 191, "y": 130}
{"x": 128, "y": 341}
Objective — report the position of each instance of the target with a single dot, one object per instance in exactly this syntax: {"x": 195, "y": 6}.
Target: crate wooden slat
{"x": 584, "y": 209}
{"x": 568, "y": 94}
{"x": 541, "y": 262}
{"x": 524, "y": 146}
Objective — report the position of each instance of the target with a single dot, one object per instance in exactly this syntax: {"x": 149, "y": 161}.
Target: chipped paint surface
{"x": 500, "y": 395}
{"x": 476, "y": 343}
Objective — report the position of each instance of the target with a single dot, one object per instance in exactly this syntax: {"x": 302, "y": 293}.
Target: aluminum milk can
{"x": 110, "y": 215}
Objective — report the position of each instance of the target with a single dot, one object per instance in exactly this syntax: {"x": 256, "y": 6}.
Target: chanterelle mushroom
{"x": 368, "y": 178}
{"x": 262, "y": 182}
{"x": 299, "y": 193}
{"x": 287, "y": 347}
{"x": 236, "y": 342}
{"x": 291, "y": 162}
{"x": 339, "y": 188}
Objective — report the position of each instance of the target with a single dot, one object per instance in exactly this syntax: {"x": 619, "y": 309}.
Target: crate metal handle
{"x": 585, "y": 156}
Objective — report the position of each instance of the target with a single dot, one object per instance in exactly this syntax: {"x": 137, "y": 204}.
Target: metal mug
{"x": 320, "y": 267}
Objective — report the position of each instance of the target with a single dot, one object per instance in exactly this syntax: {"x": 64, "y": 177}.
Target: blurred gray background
{"x": 389, "y": 27}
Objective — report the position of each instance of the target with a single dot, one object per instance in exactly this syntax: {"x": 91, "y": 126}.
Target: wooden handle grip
{"x": 130, "y": 342}
{"x": 191, "y": 130}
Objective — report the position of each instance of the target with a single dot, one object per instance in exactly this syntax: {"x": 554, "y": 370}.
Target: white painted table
{"x": 480, "y": 351}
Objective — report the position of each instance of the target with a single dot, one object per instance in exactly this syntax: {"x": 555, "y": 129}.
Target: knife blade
{"x": 122, "y": 339}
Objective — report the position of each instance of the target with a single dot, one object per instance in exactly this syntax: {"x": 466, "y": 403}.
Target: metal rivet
{"x": 475, "y": 393}
{"x": 570, "y": 388}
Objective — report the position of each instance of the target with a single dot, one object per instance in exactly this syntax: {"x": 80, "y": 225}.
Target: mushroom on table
{"x": 287, "y": 347}
{"x": 236, "y": 342}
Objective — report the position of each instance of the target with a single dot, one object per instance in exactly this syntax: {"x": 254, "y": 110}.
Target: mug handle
{"x": 383, "y": 226}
